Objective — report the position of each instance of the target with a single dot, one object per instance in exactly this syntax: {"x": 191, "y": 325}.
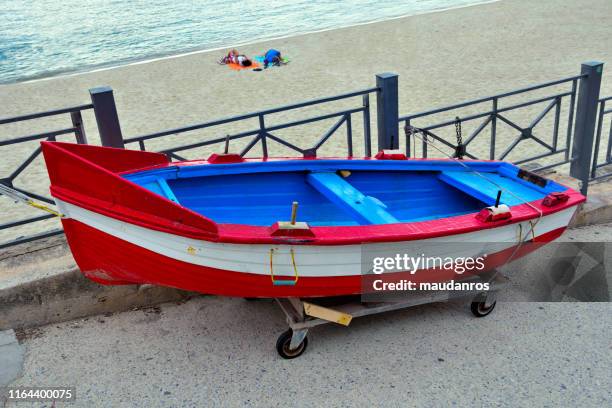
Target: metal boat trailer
{"x": 305, "y": 314}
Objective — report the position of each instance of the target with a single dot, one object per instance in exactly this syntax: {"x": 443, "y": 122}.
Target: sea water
{"x": 46, "y": 37}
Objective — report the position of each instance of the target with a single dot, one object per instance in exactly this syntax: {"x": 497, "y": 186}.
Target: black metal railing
{"x": 575, "y": 148}
{"x": 10, "y": 175}
{"x": 263, "y": 133}
{"x": 607, "y": 159}
{"x": 495, "y": 115}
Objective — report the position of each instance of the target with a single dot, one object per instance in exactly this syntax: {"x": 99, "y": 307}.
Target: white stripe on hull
{"x": 311, "y": 260}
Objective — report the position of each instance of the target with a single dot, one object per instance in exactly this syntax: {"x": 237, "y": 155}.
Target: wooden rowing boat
{"x": 223, "y": 226}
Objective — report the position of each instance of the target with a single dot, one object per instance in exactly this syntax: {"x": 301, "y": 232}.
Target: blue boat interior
{"x": 342, "y": 192}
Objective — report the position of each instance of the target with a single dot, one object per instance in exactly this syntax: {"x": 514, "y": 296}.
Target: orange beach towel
{"x": 238, "y": 67}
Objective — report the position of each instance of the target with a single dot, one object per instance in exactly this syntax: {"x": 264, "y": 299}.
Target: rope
{"x": 24, "y": 199}
{"x": 44, "y": 208}
{"x": 414, "y": 131}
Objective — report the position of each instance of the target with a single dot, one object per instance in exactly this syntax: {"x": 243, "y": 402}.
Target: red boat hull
{"x": 109, "y": 260}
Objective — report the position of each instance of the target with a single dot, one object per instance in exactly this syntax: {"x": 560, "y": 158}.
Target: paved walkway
{"x": 220, "y": 352}
{"x": 11, "y": 357}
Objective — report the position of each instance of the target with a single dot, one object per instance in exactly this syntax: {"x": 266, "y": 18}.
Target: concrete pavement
{"x": 213, "y": 351}
{"x": 11, "y": 357}
{"x": 220, "y": 352}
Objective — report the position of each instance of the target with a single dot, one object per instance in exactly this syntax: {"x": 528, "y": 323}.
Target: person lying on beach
{"x": 233, "y": 57}
{"x": 273, "y": 57}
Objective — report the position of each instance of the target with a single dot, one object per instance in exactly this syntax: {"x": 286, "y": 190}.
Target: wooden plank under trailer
{"x": 305, "y": 314}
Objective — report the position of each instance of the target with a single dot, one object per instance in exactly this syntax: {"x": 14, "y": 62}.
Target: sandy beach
{"x": 441, "y": 58}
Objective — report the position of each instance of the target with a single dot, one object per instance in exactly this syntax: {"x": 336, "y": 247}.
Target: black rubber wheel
{"x": 479, "y": 306}
{"x": 282, "y": 346}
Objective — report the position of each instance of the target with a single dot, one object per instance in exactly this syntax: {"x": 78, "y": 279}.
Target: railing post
{"x": 262, "y": 136}
{"x": 106, "y": 116}
{"x": 584, "y": 129}
{"x": 77, "y": 123}
{"x": 493, "y": 130}
{"x": 600, "y": 119}
{"x": 367, "y": 139}
{"x": 387, "y": 111}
